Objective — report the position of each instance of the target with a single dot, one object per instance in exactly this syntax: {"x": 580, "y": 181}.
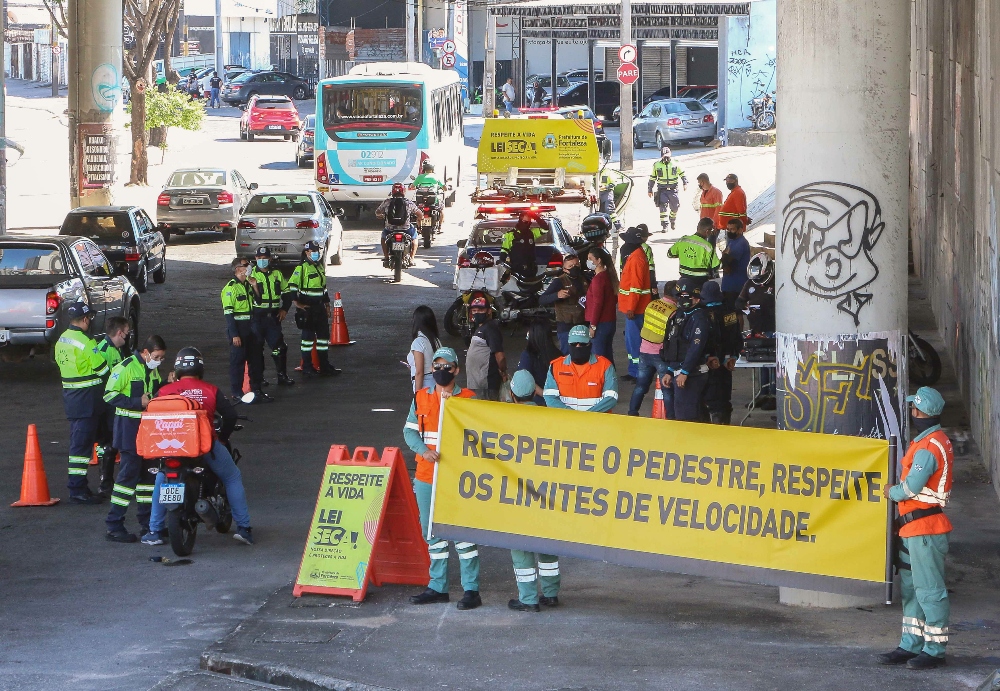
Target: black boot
{"x": 428, "y": 597}
{"x": 549, "y": 601}
{"x": 896, "y": 657}
{"x": 925, "y": 661}
{"x": 470, "y": 600}
{"x": 519, "y": 606}
{"x": 284, "y": 380}
{"x": 281, "y": 365}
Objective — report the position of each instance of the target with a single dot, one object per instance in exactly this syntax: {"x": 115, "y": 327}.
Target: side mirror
{"x": 462, "y": 243}
{"x": 253, "y": 186}
{"x": 339, "y": 212}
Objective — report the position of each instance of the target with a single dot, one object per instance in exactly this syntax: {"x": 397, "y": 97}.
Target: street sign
{"x": 627, "y": 53}
{"x": 628, "y": 73}
{"x": 448, "y": 46}
{"x": 55, "y": 50}
{"x": 448, "y": 60}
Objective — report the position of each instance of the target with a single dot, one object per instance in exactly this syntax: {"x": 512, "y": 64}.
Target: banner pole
{"x": 434, "y": 485}
{"x": 890, "y": 532}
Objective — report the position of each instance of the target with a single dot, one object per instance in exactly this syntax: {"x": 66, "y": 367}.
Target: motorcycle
{"x": 762, "y": 112}
{"x": 923, "y": 362}
{"x": 399, "y": 254}
{"x": 192, "y": 494}
{"x": 430, "y": 199}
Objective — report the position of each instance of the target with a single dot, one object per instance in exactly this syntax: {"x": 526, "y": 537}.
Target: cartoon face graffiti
{"x": 832, "y": 228}
{"x": 106, "y": 87}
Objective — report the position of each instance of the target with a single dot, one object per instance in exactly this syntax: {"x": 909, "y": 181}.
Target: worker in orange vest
{"x": 711, "y": 201}
{"x": 421, "y": 435}
{"x": 735, "y": 205}
{"x": 581, "y": 380}
{"x": 634, "y": 293}
{"x": 922, "y": 492}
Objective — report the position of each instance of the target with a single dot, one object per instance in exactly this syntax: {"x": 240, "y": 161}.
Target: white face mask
{"x": 591, "y": 265}
{"x": 153, "y": 364}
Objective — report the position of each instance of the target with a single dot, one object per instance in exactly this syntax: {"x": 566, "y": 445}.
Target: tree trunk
{"x": 172, "y": 77}
{"x": 140, "y": 139}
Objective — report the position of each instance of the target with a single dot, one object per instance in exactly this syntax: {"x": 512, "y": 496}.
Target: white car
{"x": 285, "y": 221}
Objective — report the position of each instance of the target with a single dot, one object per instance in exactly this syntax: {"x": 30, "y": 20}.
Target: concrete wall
{"x": 955, "y": 191}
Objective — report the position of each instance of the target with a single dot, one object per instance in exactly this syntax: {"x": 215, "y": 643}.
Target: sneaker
{"x": 519, "y": 606}
{"x": 549, "y": 601}
{"x": 284, "y": 380}
{"x": 244, "y": 535}
{"x": 429, "y": 597}
{"x": 87, "y": 497}
{"x": 925, "y": 661}
{"x": 121, "y": 536}
{"x": 470, "y": 600}
{"x": 896, "y": 657}
{"x": 153, "y": 539}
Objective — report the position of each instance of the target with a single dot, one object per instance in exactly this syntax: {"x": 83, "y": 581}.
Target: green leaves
{"x": 172, "y": 108}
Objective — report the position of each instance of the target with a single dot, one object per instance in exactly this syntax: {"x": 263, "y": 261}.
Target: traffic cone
{"x": 93, "y": 458}
{"x": 315, "y": 359}
{"x": 34, "y": 484}
{"x": 338, "y": 327}
{"x": 659, "y": 411}
{"x": 246, "y": 378}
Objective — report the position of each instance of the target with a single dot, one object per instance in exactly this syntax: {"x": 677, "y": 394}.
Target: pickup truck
{"x": 41, "y": 276}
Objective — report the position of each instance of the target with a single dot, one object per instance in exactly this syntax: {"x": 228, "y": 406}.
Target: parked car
{"x": 675, "y": 120}
{"x": 304, "y": 149}
{"x": 711, "y": 103}
{"x": 582, "y": 75}
{"x": 285, "y": 222}
{"x": 202, "y": 199}
{"x": 40, "y": 276}
{"x": 608, "y": 97}
{"x": 229, "y": 72}
{"x": 249, "y": 84}
{"x": 270, "y": 116}
{"x": 691, "y": 91}
{"x": 127, "y": 237}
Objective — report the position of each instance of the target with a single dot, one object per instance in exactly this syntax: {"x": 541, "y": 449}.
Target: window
{"x": 102, "y": 228}
{"x": 281, "y": 203}
{"x": 374, "y": 106}
{"x": 82, "y": 252}
{"x": 101, "y": 265}
{"x": 654, "y": 111}
{"x": 197, "y": 178}
{"x": 30, "y": 261}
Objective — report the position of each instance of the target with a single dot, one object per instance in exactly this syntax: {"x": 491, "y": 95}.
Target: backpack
{"x": 174, "y": 426}
{"x": 397, "y": 214}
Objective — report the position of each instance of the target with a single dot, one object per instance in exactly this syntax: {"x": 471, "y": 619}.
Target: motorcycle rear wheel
{"x": 397, "y": 270}
{"x": 453, "y": 318}
{"x": 427, "y": 237}
{"x": 183, "y": 532}
{"x": 225, "y": 518}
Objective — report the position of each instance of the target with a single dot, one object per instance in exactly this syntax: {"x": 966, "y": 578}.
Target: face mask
{"x": 444, "y": 376}
{"x": 919, "y": 425}
{"x": 732, "y": 236}
{"x": 579, "y": 353}
{"x": 153, "y": 364}
{"x": 730, "y": 185}
{"x": 314, "y": 256}
{"x": 591, "y": 265}
{"x": 478, "y": 318}
{"x": 685, "y": 302}
{"x": 262, "y": 263}
{"x": 575, "y": 272}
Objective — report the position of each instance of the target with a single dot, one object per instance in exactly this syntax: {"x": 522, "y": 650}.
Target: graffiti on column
{"x": 830, "y": 228}
{"x": 106, "y": 87}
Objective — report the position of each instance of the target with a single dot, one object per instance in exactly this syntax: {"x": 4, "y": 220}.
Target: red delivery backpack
{"x": 174, "y": 426}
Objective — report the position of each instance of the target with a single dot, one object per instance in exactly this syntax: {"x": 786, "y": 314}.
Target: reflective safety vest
{"x": 109, "y": 351}
{"x": 935, "y": 493}
{"x": 697, "y": 256}
{"x": 271, "y": 284}
{"x": 307, "y": 284}
{"x": 236, "y": 301}
{"x": 80, "y": 364}
{"x": 427, "y": 405}
{"x": 131, "y": 379}
{"x": 607, "y": 184}
{"x": 581, "y": 387}
{"x": 654, "y": 325}
{"x": 666, "y": 174}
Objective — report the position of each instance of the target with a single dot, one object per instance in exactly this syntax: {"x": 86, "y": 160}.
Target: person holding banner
{"x": 522, "y": 390}
{"x": 923, "y": 490}
{"x": 581, "y": 380}
{"x": 421, "y": 435}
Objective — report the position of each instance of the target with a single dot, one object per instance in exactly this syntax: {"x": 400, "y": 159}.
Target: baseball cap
{"x": 79, "y": 309}
{"x": 579, "y": 334}
{"x": 448, "y": 354}
{"x": 927, "y": 401}
{"x": 711, "y": 292}
{"x": 522, "y": 384}
{"x": 478, "y": 302}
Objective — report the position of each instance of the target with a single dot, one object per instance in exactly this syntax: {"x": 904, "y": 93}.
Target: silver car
{"x": 673, "y": 121}
{"x": 202, "y": 199}
{"x": 285, "y": 222}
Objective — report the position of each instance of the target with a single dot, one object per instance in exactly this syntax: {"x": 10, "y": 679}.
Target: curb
{"x": 280, "y": 675}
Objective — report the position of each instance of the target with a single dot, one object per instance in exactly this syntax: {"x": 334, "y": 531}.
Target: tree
{"x": 171, "y": 107}
{"x": 57, "y": 10}
{"x": 148, "y": 24}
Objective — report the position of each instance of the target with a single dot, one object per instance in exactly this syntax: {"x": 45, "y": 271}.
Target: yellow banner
{"x": 757, "y": 505}
{"x": 545, "y": 143}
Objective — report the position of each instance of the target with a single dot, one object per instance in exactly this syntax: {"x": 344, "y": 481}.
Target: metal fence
{"x": 336, "y": 68}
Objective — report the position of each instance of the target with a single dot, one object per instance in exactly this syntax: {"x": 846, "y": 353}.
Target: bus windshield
{"x": 374, "y": 106}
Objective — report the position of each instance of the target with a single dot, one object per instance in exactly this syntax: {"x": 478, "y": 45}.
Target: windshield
{"x": 281, "y": 204}
{"x": 490, "y": 233}
{"x": 261, "y": 104}
{"x": 684, "y": 107}
{"x": 376, "y": 106}
{"x": 199, "y": 178}
{"x": 242, "y": 77}
{"x": 101, "y": 228}
{"x": 30, "y": 261}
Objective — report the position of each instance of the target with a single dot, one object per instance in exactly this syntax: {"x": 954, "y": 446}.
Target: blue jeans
{"x": 633, "y": 339}
{"x": 508, "y": 106}
{"x": 604, "y": 335}
{"x": 214, "y": 100}
{"x": 221, "y": 463}
{"x": 650, "y": 364}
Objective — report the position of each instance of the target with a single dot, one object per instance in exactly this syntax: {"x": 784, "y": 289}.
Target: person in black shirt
{"x": 215, "y": 89}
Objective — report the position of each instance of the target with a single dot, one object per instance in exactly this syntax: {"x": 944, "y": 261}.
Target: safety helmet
{"x": 398, "y": 190}
{"x": 311, "y": 246}
{"x": 189, "y": 363}
{"x": 595, "y": 227}
{"x": 427, "y": 167}
{"x": 478, "y": 302}
{"x": 665, "y": 151}
{"x": 760, "y": 269}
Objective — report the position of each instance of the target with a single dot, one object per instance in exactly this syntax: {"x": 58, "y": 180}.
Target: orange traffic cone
{"x": 338, "y": 328}
{"x": 659, "y": 411}
{"x": 93, "y": 458}
{"x": 246, "y": 378}
{"x": 315, "y": 360}
{"x": 34, "y": 484}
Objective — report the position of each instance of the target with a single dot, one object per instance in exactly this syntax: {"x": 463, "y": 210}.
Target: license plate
{"x": 193, "y": 200}
{"x": 692, "y": 123}
{"x": 399, "y": 247}
{"x": 4, "y": 336}
{"x": 426, "y": 221}
{"x": 274, "y": 127}
{"x": 372, "y": 178}
{"x": 276, "y": 248}
{"x": 172, "y": 493}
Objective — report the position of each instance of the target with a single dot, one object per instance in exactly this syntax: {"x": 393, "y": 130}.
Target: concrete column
{"x": 490, "y": 67}
{"x": 625, "y": 152}
{"x": 591, "y": 91}
{"x": 554, "y": 43}
{"x": 220, "y": 56}
{"x": 842, "y": 186}
{"x": 410, "y": 29}
{"x": 95, "y": 98}
{"x": 673, "y": 68}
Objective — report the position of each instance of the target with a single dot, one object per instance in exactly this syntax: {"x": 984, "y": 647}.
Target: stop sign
{"x": 628, "y": 73}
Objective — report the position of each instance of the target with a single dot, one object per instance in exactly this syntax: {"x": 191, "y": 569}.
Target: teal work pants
{"x": 468, "y": 553}
{"x": 527, "y": 575}
{"x": 925, "y": 597}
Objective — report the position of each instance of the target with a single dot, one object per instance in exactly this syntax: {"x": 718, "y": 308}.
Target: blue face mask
{"x": 262, "y": 263}
{"x": 314, "y": 256}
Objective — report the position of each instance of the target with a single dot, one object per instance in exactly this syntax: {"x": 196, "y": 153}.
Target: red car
{"x": 270, "y": 116}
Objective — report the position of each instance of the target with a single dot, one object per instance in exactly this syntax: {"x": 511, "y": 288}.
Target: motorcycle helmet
{"x": 427, "y": 167}
{"x": 398, "y": 190}
{"x": 760, "y": 269}
{"x": 189, "y": 363}
{"x": 596, "y": 227}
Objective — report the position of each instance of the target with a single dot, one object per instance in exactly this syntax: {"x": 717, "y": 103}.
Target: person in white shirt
{"x": 425, "y": 342}
{"x": 509, "y": 94}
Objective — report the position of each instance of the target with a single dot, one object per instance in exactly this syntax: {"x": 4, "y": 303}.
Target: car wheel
{"x": 132, "y": 342}
{"x": 299, "y": 94}
{"x": 230, "y": 233}
{"x": 160, "y": 275}
{"x": 659, "y": 141}
{"x": 165, "y": 232}
{"x": 251, "y": 95}
{"x": 141, "y": 281}
{"x": 636, "y": 142}
{"x": 243, "y": 134}
{"x": 249, "y": 136}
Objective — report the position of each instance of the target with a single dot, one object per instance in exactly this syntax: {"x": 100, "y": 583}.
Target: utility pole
{"x": 410, "y": 31}
{"x": 625, "y": 121}
{"x": 490, "y": 68}
{"x": 219, "y": 60}
{"x": 54, "y": 58}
